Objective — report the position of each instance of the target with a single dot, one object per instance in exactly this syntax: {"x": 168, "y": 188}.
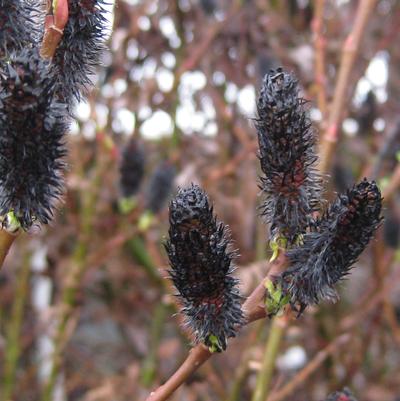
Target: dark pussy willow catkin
{"x": 343, "y": 395}
{"x": 132, "y": 168}
{"x": 332, "y": 246}
{"x": 287, "y": 156}
{"x": 32, "y": 124}
{"x": 17, "y": 27}
{"x": 160, "y": 186}
{"x": 78, "y": 54}
{"x": 201, "y": 268}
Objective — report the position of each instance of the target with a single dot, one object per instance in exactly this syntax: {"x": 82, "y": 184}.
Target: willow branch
{"x": 6, "y": 240}
{"x": 349, "y": 53}
{"x": 393, "y": 185}
{"x": 264, "y": 377}
{"x": 348, "y": 323}
{"x": 13, "y": 339}
{"x": 253, "y": 309}
{"x": 54, "y": 27}
{"x": 319, "y": 45}
{"x": 309, "y": 369}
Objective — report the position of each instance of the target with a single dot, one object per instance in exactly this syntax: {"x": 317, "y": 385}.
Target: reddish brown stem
{"x": 6, "y": 240}
{"x": 54, "y": 28}
{"x": 393, "y": 185}
{"x": 319, "y": 45}
{"x": 310, "y": 368}
{"x": 253, "y": 309}
{"x": 349, "y": 53}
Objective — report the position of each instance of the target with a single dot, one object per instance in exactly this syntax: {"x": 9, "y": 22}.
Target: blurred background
{"x": 174, "y": 104}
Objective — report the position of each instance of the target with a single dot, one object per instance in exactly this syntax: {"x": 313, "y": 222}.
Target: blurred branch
{"x": 74, "y": 277}
{"x": 349, "y": 52}
{"x": 13, "y": 343}
{"x": 264, "y": 377}
{"x": 367, "y": 304}
{"x": 198, "y": 50}
{"x": 138, "y": 250}
{"x": 200, "y": 354}
{"x": 319, "y": 45}
{"x": 391, "y": 318}
{"x": 195, "y": 55}
{"x": 393, "y": 185}
{"x": 345, "y": 326}
{"x": 309, "y": 369}
{"x": 243, "y": 366}
{"x": 149, "y": 365}
{"x": 6, "y": 240}
{"x": 348, "y": 323}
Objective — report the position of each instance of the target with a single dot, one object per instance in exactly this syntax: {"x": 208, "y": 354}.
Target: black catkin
{"x": 344, "y": 395}
{"x": 17, "y": 27}
{"x": 287, "y": 156}
{"x": 78, "y": 54}
{"x": 160, "y": 186}
{"x": 132, "y": 168}
{"x": 32, "y": 124}
{"x": 333, "y": 246}
{"x": 367, "y": 114}
{"x": 209, "y": 6}
{"x": 201, "y": 268}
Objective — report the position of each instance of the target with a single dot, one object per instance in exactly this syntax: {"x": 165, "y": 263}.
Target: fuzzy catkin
{"x": 287, "y": 156}
{"x": 132, "y": 168}
{"x": 343, "y": 395}
{"x": 17, "y": 27}
{"x": 201, "y": 268}
{"x": 160, "y": 186}
{"x": 32, "y": 124}
{"x": 331, "y": 248}
{"x": 78, "y": 54}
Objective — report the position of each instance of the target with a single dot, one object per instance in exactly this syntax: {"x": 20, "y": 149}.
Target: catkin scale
{"x": 201, "y": 267}
{"x": 32, "y": 125}
{"x": 287, "y": 157}
{"x": 332, "y": 246}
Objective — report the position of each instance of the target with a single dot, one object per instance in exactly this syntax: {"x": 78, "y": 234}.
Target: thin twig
{"x": 54, "y": 27}
{"x": 73, "y": 280}
{"x": 6, "y": 240}
{"x": 348, "y": 323}
{"x": 393, "y": 185}
{"x": 349, "y": 53}
{"x": 309, "y": 369}
{"x": 13, "y": 340}
{"x": 243, "y": 366}
{"x": 391, "y": 318}
{"x": 149, "y": 365}
{"x": 319, "y": 44}
{"x": 345, "y": 325}
{"x": 264, "y": 377}
{"x": 253, "y": 310}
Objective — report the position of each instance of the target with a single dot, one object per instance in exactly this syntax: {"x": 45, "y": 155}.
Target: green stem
{"x": 72, "y": 284}
{"x": 138, "y": 250}
{"x": 67, "y": 309}
{"x": 243, "y": 368}
{"x": 149, "y": 365}
{"x": 268, "y": 364}
{"x": 12, "y": 349}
